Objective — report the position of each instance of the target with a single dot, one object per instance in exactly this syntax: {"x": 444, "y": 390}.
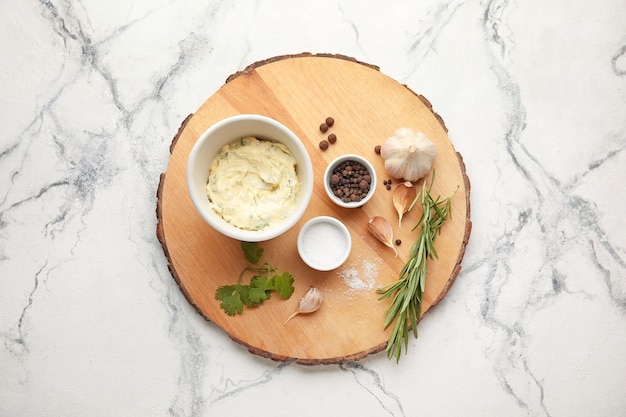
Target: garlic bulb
{"x": 408, "y": 155}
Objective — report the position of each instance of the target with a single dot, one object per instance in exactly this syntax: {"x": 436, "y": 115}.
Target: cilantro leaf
{"x": 257, "y": 296}
{"x": 252, "y": 252}
{"x": 225, "y": 291}
{"x": 244, "y": 295}
{"x": 229, "y": 295}
{"x": 259, "y": 281}
{"x": 283, "y": 284}
{"x": 260, "y": 288}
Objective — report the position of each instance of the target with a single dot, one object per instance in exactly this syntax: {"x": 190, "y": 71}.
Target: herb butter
{"x": 253, "y": 183}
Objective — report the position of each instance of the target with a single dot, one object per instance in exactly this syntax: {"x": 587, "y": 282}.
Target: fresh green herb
{"x": 408, "y": 290}
{"x": 237, "y": 296}
{"x": 252, "y": 252}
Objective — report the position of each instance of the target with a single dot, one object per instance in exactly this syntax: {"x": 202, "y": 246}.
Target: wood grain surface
{"x": 301, "y": 91}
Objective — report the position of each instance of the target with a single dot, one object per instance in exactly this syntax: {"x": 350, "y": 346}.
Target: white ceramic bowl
{"x": 329, "y": 172}
{"x": 324, "y": 243}
{"x": 227, "y": 131}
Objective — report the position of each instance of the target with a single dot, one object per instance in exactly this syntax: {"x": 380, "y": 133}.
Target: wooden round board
{"x": 301, "y": 91}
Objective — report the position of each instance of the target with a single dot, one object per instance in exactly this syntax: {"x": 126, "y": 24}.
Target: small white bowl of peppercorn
{"x": 350, "y": 181}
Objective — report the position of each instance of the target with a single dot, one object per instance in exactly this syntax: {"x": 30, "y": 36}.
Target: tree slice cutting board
{"x": 300, "y": 91}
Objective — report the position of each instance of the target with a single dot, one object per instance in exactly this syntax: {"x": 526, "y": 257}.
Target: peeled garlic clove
{"x": 310, "y": 302}
{"x": 402, "y": 197}
{"x": 408, "y": 154}
{"x": 381, "y": 229}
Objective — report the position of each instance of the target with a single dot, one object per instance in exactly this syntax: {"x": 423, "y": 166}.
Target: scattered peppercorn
{"x": 377, "y": 149}
{"x": 323, "y": 127}
{"x": 324, "y": 145}
{"x": 332, "y": 138}
{"x": 388, "y": 187}
{"x": 330, "y": 121}
{"x": 398, "y": 242}
{"x": 350, "y": 181}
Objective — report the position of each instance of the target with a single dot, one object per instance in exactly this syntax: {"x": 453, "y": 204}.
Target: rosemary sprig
{"x": 408, "y": 290}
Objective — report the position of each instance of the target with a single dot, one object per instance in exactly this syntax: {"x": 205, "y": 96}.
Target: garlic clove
{"x": 408, "y": 155}
{"x": 402, "y": 197}
{"x": 381, "y": 229}
{"x": 309, "y": 303}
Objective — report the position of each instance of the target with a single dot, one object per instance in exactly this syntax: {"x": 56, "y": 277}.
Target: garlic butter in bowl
{"x": 250, "y": 177}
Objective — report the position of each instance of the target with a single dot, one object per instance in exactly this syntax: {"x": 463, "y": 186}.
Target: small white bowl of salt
{"x": 324, "y": 243}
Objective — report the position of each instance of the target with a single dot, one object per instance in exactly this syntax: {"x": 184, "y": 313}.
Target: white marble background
{"x": 92, "y": 92}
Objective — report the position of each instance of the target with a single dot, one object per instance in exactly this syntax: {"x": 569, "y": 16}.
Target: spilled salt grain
{"x": 360, "y": 277}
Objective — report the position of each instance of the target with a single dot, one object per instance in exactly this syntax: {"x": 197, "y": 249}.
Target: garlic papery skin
{"x": 408, "y": 154}
{"x": 403, "y": 197}
{"x": 310, "y": 302}
{"x": 382, "y": 230}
